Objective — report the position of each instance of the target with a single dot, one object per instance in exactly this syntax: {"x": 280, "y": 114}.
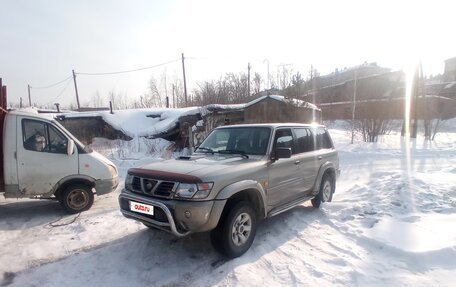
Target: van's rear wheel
{"x": 76, "y": 198}
{"x": 236, "y": 230}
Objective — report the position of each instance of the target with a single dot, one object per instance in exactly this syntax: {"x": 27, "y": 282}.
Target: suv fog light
{"x": 188, "y": 214}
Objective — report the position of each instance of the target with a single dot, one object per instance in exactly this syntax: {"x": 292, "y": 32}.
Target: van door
{"x": 42, "y": 158}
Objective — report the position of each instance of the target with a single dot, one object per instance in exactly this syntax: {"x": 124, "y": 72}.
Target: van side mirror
{"x": 282, "y": 152}
{"x": 70, "y": 147}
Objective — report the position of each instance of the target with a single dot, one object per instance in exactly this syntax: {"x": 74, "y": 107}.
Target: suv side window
{"x": 305, "y": 140}
{"x": 284, "y": 138}
{"x": 322, "y": 139}
{"x": 42, "y": 137}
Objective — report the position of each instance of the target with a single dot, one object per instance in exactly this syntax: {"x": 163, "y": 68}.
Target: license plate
{"x": 141, "y": 208}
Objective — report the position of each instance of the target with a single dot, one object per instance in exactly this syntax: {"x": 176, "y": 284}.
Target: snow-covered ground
{"x": 392, "y": 222}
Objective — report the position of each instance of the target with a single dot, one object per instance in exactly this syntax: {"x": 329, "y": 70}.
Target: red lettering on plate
{"x": 142, "y": 208}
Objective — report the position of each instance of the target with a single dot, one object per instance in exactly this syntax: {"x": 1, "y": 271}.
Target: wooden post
{"x": 248, "y": 80}
{"x": 76, "y": 90}
{"x": 174, "y": 98}
{"x": 2, "y": 119}
{"x": 30, "y": 98}
{"x": 2, "y": 105}
{"x": 190, "y": 139}
{"x": 185, "y": 81}
{"x": 354, "y": 105}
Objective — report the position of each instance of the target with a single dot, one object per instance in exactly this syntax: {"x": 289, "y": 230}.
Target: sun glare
{"x": 409, "y": 78}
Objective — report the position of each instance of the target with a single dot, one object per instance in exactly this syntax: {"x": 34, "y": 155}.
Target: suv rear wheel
{"x": 326, "y": 191}
{"x": 236, "y": 230}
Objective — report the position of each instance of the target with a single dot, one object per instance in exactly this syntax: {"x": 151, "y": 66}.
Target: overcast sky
{"x": 42, "y": 41}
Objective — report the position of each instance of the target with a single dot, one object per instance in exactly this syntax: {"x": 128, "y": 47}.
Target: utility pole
{"x": 20, "y": 103}
{"x": 185, "y": 82}
{"x": 312, "y": 86}
{"x": 248, "y": 80}
{"x": 174, "y": 99}
{"x": 266, "y": 60}
{"x": 416, "y": 85}
{"x": 166, "y": 92}
{"x": 354, "y": 104}
{"x": 76, "y": 90}
{"x": 30, "y": 99}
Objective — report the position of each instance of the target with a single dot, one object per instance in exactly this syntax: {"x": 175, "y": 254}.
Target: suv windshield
{"x": 243, "y": 140}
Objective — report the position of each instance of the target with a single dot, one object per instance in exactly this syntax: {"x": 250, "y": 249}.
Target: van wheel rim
{"x": 242, "y": 228}
{"x": 327, "y": 191}
{"x": 77, "y": 199}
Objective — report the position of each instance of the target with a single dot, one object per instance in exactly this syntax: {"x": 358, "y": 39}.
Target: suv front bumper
{"x": 178, "y": 217}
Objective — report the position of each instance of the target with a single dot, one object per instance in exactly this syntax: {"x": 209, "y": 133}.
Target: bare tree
{"x": 118, "y": 100}
{"x": 283, "y": 76}
{"x": 153, "y": 97}
{"x": 371, "y": 128}
{"x": 97, "y": 100}
{"x": 257, "y": 81}
{"x": 232, "y": 88}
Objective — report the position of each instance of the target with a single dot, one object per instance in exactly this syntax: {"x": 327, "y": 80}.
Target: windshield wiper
{"x": 233, "y": 151}
{"x": 208, "y": 150}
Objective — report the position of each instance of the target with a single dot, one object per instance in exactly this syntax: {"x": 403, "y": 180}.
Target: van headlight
{"x": 192, "y": 190}
{"x": 112, "y": 170}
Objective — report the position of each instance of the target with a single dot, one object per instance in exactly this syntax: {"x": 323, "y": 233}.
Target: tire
{"x": 326, "y": 191}
{"x": 232, "y": 237}
{"x": 76, "y": 198}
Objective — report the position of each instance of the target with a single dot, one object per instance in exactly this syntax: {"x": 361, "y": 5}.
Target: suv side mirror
{"x": 70, "y": 147}
{"x": 282, "y": 152}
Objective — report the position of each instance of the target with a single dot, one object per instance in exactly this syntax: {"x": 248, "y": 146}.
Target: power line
{"x": 61, "y": 92}
{"x": 50, "y": 86}
{"x": 128, "y": 71}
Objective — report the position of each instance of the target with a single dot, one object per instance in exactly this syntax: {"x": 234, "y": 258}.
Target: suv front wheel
{"x": 236, "y": 230}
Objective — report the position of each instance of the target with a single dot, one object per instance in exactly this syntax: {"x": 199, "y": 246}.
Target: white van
{"x": 41, "y": 159}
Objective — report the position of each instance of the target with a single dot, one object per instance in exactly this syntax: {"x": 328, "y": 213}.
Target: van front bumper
{"x": 104, "y": 186}
{"x": 178, "y": 217}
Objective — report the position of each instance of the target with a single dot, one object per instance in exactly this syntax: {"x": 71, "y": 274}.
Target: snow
{"x": 151, "y": 122}
{"x": 391, "y": 223}
{"x": 141, "y": 122}
{"x": 295, "y": 102}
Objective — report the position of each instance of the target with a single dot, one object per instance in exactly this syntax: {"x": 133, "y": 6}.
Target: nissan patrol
{"x": 238, "y": 176}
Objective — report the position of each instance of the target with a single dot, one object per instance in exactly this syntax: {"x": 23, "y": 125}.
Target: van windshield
{"x": 246, "y": 140}
{"x": 87, "y": 148}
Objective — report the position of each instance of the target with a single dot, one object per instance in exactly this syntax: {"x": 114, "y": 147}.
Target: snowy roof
{"x": 140, "y": 122}
{"x": 153, "y": 121}
{"x": 294, "y": 102}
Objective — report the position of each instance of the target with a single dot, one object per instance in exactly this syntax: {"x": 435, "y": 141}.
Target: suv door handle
{"x": 297, "y": 162}
{"x": 319, "y": 157}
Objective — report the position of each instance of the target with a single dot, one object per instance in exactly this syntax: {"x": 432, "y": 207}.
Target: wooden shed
{"x": 278, "y": 109}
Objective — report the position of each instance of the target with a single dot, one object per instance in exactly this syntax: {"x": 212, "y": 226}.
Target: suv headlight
{"x": 192, "y": 190}
{"x": 129, "y": 182}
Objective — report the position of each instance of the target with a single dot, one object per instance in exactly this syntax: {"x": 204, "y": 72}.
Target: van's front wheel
{"x": 76, "y": 198}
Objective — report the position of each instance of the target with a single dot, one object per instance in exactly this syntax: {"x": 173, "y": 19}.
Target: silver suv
{"x": 238, "y": 176}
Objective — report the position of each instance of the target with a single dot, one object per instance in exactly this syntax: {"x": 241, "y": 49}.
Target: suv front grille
{"x": 165, "y": 188}
{"x": 153, "y": 187}
{"x": 136, "y": 184}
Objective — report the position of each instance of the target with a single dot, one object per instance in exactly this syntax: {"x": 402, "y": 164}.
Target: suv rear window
{"x": 322, "y": 139}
